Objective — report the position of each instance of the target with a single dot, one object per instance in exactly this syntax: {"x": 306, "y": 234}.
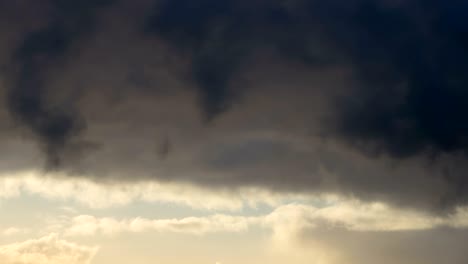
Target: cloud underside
{"x": 363, "y": 99}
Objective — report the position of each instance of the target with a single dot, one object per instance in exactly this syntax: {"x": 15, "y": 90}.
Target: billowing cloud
{"x": 363, "y": 99}
{"x": 39, "y": 52}
{"x": 403, "y": 53}
{"x": 46, "y": 250}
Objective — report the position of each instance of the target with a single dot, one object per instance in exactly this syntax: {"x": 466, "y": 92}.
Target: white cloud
{"x": 85, "y": 225}
{"x": 47, "y": 250}
{"x": 102, "y": 195}
{"x": 357, "y": 216}
{"x": 285, "y": 221}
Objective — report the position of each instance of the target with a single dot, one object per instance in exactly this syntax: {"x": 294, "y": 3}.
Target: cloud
{"x": 38, "y": 52}
{"x": 334, "y": 246}
{"x": 364, "y": 99}
{"x": 86, "y": 225}
{"x": 285, "y": 221}
{"x": 100, "y": 195}
{"x": 361, "y": 217}
{"x": 46, "y": 250}
{"x": 338, "y": 231}
{"x": 365, "y": 234}
{"x": 350, "y": 231}
{"x": 405, "y": 54}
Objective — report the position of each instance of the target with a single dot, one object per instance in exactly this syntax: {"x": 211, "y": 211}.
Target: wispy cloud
{"x": 284, "y": 220}
{"x": 101, "y": 195}
{"x": 86, "y": 225}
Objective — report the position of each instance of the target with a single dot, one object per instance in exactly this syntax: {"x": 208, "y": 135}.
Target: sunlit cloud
{"x": 103, "y": 195}
{"x": 86, "y": 225}
{"x": 357, "y": 216}
{"x": 46, "y": 250}
{"x": 284, "y": 221}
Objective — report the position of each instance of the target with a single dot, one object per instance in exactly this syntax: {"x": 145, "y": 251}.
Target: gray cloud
{"x": 364, "y": 99}
{"x": 429, "y": 246}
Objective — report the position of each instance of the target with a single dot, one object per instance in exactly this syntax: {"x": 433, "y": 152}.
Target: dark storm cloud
{"x": 205, "y": 28}
{"x": 39, "y": 51}
{"x": 221, "y": 36}
{"x": 364, "y": 98}
{"x": 410, "y": 59}
{"x": 410, "y": 96}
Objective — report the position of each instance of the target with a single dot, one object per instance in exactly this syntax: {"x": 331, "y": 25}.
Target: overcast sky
{"x": 233, "y": 131}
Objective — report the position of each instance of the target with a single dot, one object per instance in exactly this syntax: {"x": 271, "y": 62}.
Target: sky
{"x": 233, "y": 131}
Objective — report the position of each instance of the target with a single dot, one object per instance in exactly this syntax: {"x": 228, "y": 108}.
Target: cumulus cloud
{"x": 46, "y": 250}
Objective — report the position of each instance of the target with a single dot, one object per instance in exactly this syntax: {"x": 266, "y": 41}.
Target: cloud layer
{"x": 284, "y": 221}
{"x": 364, "y": 99}
{"x": 98, "y": 195}
{"x": 347, "y": 231}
